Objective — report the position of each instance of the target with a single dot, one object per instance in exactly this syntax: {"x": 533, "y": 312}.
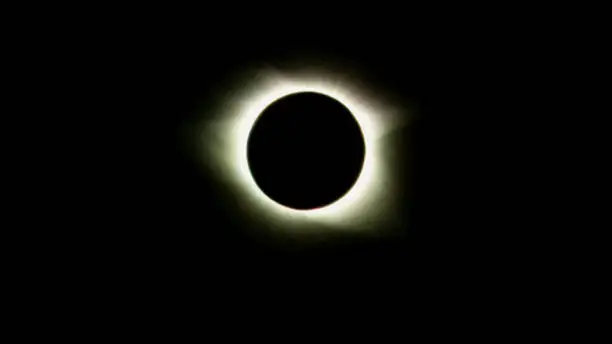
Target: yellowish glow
{"x": 361, "y": 204}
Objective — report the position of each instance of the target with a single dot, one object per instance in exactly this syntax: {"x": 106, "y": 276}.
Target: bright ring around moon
{"x": 362, "y": 204}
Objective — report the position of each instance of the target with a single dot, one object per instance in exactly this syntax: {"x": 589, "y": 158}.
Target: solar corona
{"x": 227, "y": 139}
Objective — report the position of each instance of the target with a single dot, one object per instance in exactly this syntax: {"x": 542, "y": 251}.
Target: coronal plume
{"x": 362, "y": 202}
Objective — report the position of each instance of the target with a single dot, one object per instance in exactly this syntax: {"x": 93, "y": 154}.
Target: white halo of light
{"x": 369, "y": 195}
{"x": 349, "y": 199}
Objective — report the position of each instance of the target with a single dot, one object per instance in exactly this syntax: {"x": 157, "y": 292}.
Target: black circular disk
{"x": 306, "y": 150}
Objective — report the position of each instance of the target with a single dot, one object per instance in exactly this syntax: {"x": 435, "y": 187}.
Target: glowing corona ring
{"x": 362, "y": 203}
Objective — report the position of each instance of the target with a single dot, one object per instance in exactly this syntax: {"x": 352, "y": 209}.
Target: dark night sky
{"x": 156, "y": 214}
{"x": 130, "y": 223}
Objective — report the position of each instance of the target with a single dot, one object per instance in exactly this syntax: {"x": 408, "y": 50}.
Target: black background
{"x": 146, "y": 216}
{"x": 118, "y": 218}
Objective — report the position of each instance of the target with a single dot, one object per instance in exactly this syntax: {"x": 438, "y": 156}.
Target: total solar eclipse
{"x": 305, "y": 151}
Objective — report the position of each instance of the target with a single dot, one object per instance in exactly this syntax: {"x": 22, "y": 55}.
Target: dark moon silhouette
{"x": 306, "y": 150}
